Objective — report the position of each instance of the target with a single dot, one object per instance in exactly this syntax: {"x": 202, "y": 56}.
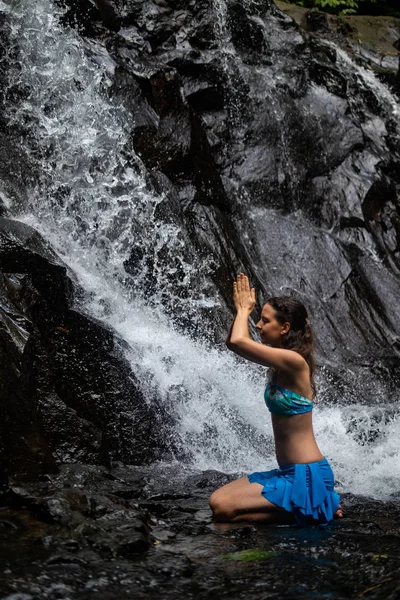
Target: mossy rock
{"x": 250, "y": 555}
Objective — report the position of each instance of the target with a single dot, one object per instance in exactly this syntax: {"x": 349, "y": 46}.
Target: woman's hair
{"x": 300, "y": 337}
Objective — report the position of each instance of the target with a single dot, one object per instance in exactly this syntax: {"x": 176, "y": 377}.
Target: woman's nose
{"x": 258, "y": 325}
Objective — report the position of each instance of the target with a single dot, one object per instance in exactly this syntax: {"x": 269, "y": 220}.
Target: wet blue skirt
{"x": 306, "y": 490}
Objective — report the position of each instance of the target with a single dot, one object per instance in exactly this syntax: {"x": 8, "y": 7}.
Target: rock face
{"x": 259, "y": 129}
{"x": 67, "y": 394}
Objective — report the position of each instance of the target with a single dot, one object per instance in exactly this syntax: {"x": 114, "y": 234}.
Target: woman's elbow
{"x": 229, "y": 345}
{"x": 235, "y": 342}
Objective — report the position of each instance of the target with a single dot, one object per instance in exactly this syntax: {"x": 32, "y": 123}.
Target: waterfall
{"x": 90, "y": 199}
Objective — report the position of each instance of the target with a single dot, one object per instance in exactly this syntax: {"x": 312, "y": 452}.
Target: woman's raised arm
{"x": 240, "y": 342}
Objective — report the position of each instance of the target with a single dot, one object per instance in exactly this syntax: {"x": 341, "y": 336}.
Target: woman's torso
{"x": 294, "y": 435}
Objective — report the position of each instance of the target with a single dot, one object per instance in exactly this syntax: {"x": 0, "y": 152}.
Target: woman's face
{"x": 270, "y": 329}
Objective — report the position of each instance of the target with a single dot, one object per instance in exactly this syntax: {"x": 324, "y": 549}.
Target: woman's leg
{"x": 241, "y": 500}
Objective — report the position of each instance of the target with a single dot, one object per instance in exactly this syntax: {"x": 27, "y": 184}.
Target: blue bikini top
{"x": 281, "y": 401}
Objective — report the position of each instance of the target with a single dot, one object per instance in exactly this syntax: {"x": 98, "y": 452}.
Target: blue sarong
{"x": 306, "y": 490}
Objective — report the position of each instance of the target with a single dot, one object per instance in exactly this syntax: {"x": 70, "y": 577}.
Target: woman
{"x": 301, "y": 489}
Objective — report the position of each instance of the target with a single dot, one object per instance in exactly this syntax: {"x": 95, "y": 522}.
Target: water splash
{"x": 91, "y": 198}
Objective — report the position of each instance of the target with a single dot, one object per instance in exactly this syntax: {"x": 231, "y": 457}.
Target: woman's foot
{"x": 339, "y": 512}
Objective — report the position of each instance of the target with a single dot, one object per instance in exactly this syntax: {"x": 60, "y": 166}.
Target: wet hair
{"x": 300, "y": 337}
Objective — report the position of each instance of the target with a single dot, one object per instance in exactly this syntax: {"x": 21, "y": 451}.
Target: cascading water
{"x": 91, "y": 201}
{"x": 90, "y": 204}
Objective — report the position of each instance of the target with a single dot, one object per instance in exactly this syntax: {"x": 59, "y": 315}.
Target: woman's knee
{"x": 214, "y": 501}
{"x": 221, "y": 508}
{"x": 214, "y": 498}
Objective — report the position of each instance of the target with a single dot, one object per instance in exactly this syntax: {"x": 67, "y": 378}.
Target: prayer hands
{"x": 244, "y": 297}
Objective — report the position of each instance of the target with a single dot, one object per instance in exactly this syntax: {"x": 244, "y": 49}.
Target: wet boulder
{"x": 168, "y": 134}
{"x": 72, "y": 381}
{"x": 24, "y": 451}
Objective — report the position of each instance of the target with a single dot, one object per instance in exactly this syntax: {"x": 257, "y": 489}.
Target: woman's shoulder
{"x": 294, "y": 361}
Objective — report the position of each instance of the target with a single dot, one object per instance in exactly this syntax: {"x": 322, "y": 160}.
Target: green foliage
{"x": 337, "y": 6}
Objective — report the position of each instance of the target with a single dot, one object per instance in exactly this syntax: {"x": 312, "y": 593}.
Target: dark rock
{"x": 317, "y": 21}
{"x": 71, "y": 438}
{"x": 70, "y": 370}
{"x": 209, "y": 480}
{"x": 167, "y": 146}
{"x": 332, "y": 79}
{"x": 380, "y": 193}
{"x": 247, "y": 33}
{"x": 65, "y": 559}
{"x": 397, "y": 78}
{"x": 79, "y": 363}
{"x": 84, "y": 15}
{"x": 80, "y": 501}
{"x": 177, "y": 145}
{"x": 172, "y": 566}
{"x": 189, "y": 552}
{"x": 108, "y": 14}
{"x": 23, "y": 251}
{"x": 24, "y": 452}
{"x": 203, "y": 37}
{"x": 206, "y": 98}
{"x": 3, "y": 209}
{"x": 123, "y": 539}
